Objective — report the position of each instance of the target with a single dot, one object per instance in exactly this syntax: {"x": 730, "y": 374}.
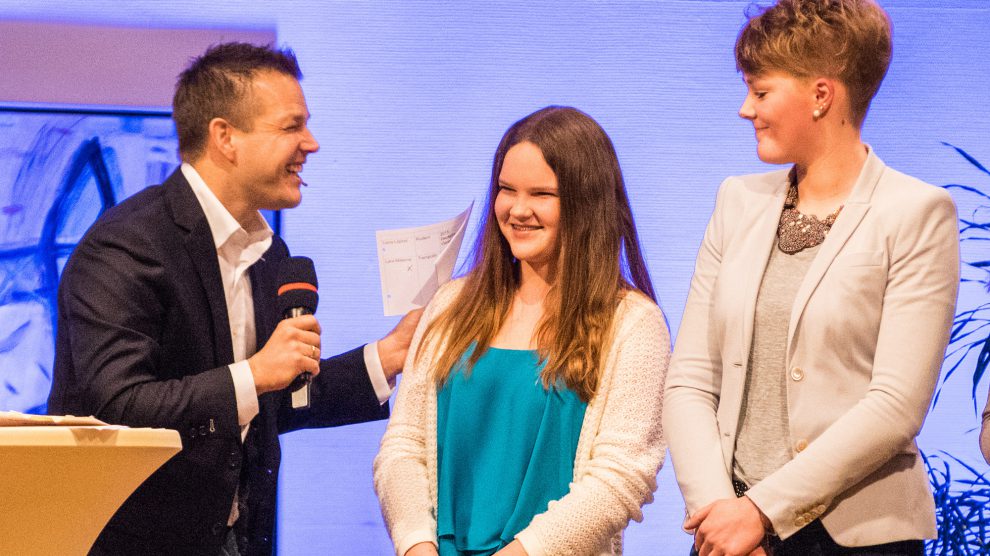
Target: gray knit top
{"x": 763, "y": 444}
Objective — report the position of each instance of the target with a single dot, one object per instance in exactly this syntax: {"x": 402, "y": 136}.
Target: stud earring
{"x": 819, "y": 112}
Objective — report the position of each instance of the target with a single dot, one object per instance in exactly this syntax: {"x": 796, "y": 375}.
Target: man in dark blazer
{"x": 167, "y": 317}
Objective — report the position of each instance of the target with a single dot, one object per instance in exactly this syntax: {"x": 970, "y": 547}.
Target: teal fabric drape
{"x": 505, "y": 449}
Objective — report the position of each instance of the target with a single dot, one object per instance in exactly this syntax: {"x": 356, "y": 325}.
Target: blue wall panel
{"x": 409, "y": 100}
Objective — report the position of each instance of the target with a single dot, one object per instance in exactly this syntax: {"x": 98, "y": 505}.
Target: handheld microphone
{"x": 298, "y": 295}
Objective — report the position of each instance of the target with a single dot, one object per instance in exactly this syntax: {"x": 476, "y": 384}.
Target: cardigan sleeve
{"x": 626, "y": 452}
{"x": 402, "y": 468}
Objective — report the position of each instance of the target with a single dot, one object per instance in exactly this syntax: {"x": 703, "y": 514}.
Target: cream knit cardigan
{"x": 620, "y": 448}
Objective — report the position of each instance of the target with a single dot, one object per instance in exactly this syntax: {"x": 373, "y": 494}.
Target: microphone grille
{"x": 297, "y": 285}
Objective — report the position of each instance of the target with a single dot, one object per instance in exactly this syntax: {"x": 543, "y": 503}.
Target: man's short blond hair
{"x": 848, "y": 40}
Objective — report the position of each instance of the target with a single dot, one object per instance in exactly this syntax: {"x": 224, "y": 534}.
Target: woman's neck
{"x": 825, "y": 182}
{"x": 526, "y": 312}
{"x": 534, "y": 282}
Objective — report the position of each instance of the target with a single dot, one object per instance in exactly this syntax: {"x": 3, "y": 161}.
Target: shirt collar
{"x": 223, "y": 225}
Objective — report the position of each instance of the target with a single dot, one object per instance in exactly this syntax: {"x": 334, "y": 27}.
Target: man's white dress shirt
{"x": 237, "y": 249}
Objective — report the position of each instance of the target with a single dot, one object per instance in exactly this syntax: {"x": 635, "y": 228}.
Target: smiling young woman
{"x": 528, "y": 421}
{"x": 818, "y": 314}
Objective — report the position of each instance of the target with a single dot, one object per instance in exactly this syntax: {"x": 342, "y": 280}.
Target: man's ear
{"x": 222, "y": 138}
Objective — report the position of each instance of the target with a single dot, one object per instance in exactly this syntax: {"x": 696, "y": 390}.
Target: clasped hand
{"x": 293, "y": 349}
{"x": 729, "y": 527}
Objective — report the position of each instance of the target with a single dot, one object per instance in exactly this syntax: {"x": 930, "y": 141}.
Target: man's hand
{"x": 730, "y": 527}
{"x": 293, "y": 349}
{"x": 392, "y": 349}
{"x": 422, "y": 549}
{"x": 514, "y": 548}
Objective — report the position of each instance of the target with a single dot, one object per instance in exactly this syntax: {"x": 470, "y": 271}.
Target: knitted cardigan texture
{"x": 620, "y": 448}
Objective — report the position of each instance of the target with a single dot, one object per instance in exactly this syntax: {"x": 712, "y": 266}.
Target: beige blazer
{"x": 867, "y": 335}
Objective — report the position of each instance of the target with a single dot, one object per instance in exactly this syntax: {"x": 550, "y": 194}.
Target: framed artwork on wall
{"x": 60, "y": 168}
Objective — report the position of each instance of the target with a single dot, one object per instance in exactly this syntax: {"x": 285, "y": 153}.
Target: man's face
{"x": 271, "y": 155}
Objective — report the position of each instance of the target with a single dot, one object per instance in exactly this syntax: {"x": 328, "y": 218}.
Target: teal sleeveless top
{"x": 505, "y": 449}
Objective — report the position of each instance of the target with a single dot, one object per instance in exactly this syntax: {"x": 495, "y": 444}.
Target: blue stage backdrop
{"x": 409, "y": 100}
{"x": 59, "y": 170}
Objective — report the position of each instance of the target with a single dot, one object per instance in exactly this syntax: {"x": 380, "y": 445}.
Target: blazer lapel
{"x": 263, "y": 288}
{"x": 189, "y": 215}
{"x": 856, "y": 207}
{"x": 758, "y": 244}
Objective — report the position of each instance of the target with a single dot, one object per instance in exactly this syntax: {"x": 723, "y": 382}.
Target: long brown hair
{"x": 597, "y": 234}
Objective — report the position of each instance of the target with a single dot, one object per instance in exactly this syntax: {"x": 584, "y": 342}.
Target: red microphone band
{"x": 296, "y": 286}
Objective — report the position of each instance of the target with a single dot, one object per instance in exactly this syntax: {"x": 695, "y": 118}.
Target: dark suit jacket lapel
{"x": 189, "y": 216}
{"x": 263, "y": 276}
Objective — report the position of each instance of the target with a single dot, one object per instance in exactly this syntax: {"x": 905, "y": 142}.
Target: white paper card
{"x": 415, "y": 262}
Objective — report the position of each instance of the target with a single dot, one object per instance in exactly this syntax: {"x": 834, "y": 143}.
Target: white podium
{"x": 59, "y": 485}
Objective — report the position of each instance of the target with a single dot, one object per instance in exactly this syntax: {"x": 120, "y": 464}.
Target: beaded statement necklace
{"x": 797, "y": 231}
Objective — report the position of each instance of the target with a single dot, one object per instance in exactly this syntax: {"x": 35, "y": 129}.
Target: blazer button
{"x": 218, "y": 528}
{"x": 797, "y": 374}
{"x": 800, "y": 445}
{"x": 192, "y": 432}
{"x": 202, "y": 430}
{"x": 820, "y": 509}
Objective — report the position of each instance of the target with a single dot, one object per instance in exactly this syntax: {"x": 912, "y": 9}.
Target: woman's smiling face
{"x": 527, "y": 206}
{"x": 781, "y": 108}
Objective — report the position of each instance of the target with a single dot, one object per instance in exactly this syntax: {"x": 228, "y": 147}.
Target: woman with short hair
{"x": 818, "y": 314}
